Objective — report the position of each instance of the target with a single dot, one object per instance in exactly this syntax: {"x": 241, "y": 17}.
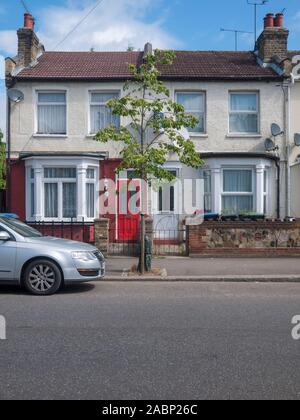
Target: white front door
{"x": 166, "y": 211}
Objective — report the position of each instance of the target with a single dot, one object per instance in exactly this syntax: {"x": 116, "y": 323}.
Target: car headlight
{"x": 83, "y": 256}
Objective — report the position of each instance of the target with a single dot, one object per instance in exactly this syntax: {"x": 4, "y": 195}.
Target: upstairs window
{"x": 194, "y": 104}
{"x": 52, "y": 113}
{"x": 101, "y": 115}
{"x": 244, "y": 113}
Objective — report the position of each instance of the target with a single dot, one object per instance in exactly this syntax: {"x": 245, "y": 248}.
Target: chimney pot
{"x": 28, "y": 21}
{"x": 269, "y": 20}
{"x": 278, "y": 22}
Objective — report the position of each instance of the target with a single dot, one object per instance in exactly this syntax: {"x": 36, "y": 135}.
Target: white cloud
{"x": 8, "y": 42}
{"x": 114, "y": 25}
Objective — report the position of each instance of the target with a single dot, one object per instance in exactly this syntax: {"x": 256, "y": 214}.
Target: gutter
{"x": 99, "y": 156}
{"x": 241, "y": 155}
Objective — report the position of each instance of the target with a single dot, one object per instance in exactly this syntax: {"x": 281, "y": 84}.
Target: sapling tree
{"x": 153, "y": 130}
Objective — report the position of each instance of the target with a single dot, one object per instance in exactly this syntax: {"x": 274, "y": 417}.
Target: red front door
{"x": 129, "y": 204}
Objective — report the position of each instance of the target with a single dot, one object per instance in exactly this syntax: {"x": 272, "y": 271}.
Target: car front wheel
{"x": 42, "y": 278}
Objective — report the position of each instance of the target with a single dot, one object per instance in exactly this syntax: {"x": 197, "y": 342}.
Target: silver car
{"x": 43, "y": 264}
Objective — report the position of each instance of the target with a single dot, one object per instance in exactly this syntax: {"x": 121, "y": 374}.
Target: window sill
{"x": 50, "y": 136}
{"x": 198, "y": 136}
{"x": 243, "y": 136}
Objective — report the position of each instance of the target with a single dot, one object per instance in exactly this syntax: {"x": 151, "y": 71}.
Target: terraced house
{"x": 57, "y": 166}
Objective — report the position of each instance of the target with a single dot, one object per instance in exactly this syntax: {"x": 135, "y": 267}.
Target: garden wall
{"x": 244, "y": 239}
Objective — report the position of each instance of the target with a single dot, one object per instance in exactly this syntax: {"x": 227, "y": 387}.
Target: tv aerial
{"x": 236, "y": 32}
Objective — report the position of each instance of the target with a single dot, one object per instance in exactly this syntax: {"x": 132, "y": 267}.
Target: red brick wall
{"x": 244, "y": 239}
{"x": 18, "y": 205}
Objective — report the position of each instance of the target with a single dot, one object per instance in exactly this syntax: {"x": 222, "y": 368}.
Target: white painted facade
{"x": 295, "y": 152}
{"x": 218, "y": 146}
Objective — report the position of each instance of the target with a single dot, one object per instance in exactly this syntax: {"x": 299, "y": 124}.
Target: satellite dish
{"x": 270, "y": 145}
{"x": 276, "y": 130}
{"x": 297, "y": 139}
{"x": 15, "y": 95}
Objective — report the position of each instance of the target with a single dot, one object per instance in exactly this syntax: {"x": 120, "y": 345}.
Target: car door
{"x": 8, "y": 252}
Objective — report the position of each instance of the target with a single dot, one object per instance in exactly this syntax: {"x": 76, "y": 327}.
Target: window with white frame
{"x": 51, "y": 113}
{"x": 90, "y": 192}
{"x": 244, "y": 113}
{"x": 207, "y": 192}
{"x": 101, "y": 115}
{"x": 60, "y": 193}
{"x": 238, "y": 191}
{"x": 194, "y": 104}
{"x": 32, "y": 193}
{"x": 266, "y": 192}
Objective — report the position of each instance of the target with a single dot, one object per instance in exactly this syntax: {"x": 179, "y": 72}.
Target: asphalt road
{"x": 152, "y": 341}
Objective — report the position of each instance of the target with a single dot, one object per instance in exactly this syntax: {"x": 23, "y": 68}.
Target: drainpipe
{"x": 278, "y": 188}
{"x": 288, "y": 148}
{"x": 286, "y": 87}
{"x": 8, "y": 145}
{"x": 289, "y": 201}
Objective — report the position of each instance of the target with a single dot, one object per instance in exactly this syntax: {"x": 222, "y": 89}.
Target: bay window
{"x": 101, "y": 115}
{"x": 64, "y": 190}
{"x": 244, "y": 113}
{"x": 194, "y": 104}
{"x": 238, "y": 191}
{"x": 51, "y": 113}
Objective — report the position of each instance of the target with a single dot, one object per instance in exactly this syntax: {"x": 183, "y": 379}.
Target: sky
{"x": 117, "y": 24}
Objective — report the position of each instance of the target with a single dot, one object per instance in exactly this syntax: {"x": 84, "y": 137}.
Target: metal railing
{"x": 77, "y": 231}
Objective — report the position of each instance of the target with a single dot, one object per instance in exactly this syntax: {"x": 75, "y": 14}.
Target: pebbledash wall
{"x": 244, "y": 239}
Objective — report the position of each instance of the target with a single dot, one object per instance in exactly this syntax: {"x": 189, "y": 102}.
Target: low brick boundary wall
{"x": 245, "y": 239}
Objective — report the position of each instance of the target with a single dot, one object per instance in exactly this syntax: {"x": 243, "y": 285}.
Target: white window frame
{"x": 59, "y": 182}
{"x": 239, "y": 194}
{"x": 113, "y": 92}
{"x": 266, "y": 191}
{"x": 257, "y": 112}
{"x": 208, "y": 195}
{"x": 81, "y": 165}
{"x": 36, "y": 114}
{"x": 91, "y": 181}
{"x": 204, "y": 113}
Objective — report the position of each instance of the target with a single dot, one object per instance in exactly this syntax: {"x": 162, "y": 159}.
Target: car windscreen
{"x": 20, "y": 227}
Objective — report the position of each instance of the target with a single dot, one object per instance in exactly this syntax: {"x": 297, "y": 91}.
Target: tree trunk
{"x": 143, "y": 243}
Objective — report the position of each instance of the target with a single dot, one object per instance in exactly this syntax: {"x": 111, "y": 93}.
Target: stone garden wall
{"x": 243, "y": 239}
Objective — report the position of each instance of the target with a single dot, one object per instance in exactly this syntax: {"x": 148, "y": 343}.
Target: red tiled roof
{"x": 114, "y": 65}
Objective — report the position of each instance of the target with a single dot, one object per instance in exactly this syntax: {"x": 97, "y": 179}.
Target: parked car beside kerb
{"x": 42, "y": 264}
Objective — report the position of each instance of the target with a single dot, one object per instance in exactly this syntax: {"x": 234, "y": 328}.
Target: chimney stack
{"x": 269, "y": 21}
{"x": 278, "y": 21}
{"x": 148, "y": 49}
{"x": 272, "y": 45}
{"x": 29, "y": 46}
{"x": 28, "y": 21}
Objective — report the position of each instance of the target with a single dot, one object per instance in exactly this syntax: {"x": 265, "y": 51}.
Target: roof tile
{"x": 114, "y": 65}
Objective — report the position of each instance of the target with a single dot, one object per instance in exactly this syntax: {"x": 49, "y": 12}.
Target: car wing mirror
{"x": 4, "y": 236}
